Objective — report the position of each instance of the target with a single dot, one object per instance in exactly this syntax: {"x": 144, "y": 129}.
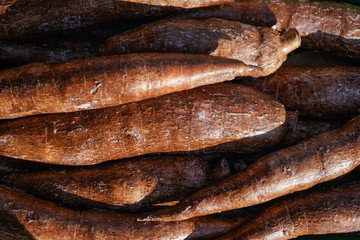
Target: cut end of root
{"x": 290, "y": 40}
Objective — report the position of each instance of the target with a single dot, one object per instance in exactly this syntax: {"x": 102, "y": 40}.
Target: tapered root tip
{"x": 290, "y": 40}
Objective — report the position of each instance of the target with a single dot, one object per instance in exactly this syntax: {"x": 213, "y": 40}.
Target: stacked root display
{"x": 178, "y": 119}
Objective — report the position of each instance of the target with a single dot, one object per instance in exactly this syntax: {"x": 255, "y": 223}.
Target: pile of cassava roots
{"x": 179, "y": 119}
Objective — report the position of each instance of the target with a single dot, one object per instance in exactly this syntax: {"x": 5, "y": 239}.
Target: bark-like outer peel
{"x": 183, "y": 121}
{"x": 335, "y": 210}
{"x": 41, "y": 18}
{"x": 128, "y": 185}
{"x": 325, "y": 25}
{"x": 256, "y": 46}
{"x": 45, "y": 220}
{"x": 327, "y": 92}
{"x": 99, "y": 82}
{"x": 315, "y": 160}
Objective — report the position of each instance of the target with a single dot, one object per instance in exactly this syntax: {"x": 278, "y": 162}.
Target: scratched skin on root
{"x": 37, "y": 19}
{"x": 46, "y": 220}
{"x": 315, "y": 160}
{"x": 100, "y": 82}
{"x": 261, "y": 47}
{"x": 129, "y": 184}
{"x": 335, "y": 210}
{"x": 317, "y": 92}
{"x": 325, "y": 25}
{"x": 183, "y": 121}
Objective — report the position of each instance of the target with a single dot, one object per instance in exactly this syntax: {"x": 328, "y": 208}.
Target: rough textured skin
{"x": 306, "y": 128}
{"x": 181, "y": 3}
{"x": 326, "y": 25}
{"x": 318, "y": 159}
{"x": 335, "y": 210}
{"x": 256, "y": 143}
{"x": 38, "y": 18}
{"x": 47, "y": 51}
{"x": 64, "y": 47}
{"x": 45, "y": 220}
{"x": 261, "y": 47}
{"x": 100, "y": 82}
{"x": 330, "y": 92}
{"x": 209, "y": 227}
{"x": 182, "y": 121}
{"x": 128, "y": 185}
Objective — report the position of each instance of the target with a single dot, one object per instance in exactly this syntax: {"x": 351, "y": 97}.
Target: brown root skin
{"x": 329, "y": 92}
{"x": 316, "y": 160}
{"x": 46, "y": 220}
{"x": 99, "y": 82}
{"x": 286, "y": 42}
{"x": 181, "y": 3}
{"x": 324, "y": 25}
{"x": 335, "y": 210}
{"x": 290, "y": 40}
{"x": 183, "y": 121}
{"x": 257, "y": 143}
{"x": 114, "y": 185}
{"x": 307, "y": 128}
{"x": 261, "y": 47}
{"x": 50, "y": 51}
{"x": 39, "y": 19}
